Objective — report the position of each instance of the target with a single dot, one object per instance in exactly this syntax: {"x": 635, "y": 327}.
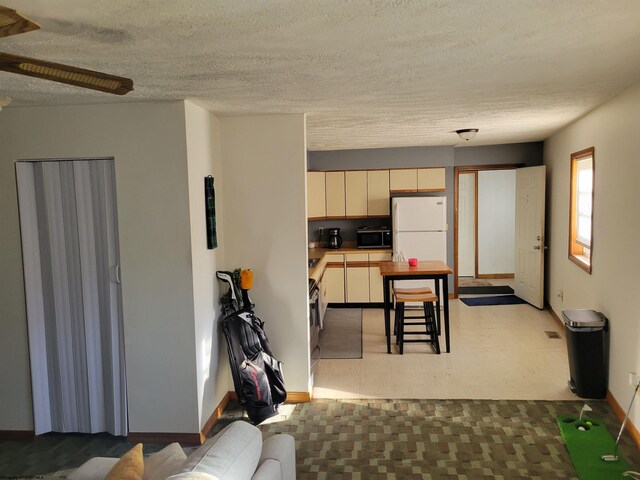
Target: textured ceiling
{"x": 367, "y": 73}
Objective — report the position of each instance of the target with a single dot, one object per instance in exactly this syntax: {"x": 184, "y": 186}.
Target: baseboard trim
{"x": 495, "y": 275}
{"x": 215, "y": 416}
{"x": 183, "y": 438}
{"x": 630, "y": 427}
{"x": 17, "y": 436}
{"x": 298, "y": 397}
{"x": 163, "y": 438}
{"x": 555, "y": 316}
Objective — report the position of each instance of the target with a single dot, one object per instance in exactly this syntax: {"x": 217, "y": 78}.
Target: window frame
{"x": 580, "y": 254}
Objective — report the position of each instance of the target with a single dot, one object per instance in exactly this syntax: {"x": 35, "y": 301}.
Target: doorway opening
{"x": 484, "y": 230}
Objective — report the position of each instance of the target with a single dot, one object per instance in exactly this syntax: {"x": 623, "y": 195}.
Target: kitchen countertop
{"x": 320, "y": 253}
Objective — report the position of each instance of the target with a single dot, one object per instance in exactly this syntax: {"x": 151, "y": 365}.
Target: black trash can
{"x": 588, "y": 349}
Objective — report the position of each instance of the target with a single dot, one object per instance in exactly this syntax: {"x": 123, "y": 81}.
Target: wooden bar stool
{"x": 419, "y": 291}
{"x": 429, "y": 323}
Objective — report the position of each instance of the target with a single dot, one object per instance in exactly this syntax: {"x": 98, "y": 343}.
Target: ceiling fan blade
{"x": 65, "y": 74}
{"x": 12, "y": 23}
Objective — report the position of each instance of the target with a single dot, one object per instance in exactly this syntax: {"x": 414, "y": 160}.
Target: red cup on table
{"x": 413, "y": 262}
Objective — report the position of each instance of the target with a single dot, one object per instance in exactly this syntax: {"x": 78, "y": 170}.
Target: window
{"x": 581, "y": 215}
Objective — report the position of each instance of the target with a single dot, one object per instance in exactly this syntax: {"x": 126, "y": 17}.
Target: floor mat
{"x": 486, "y": 301}
{"x": 485, "y": 290}
{"x": 341, "y": 335}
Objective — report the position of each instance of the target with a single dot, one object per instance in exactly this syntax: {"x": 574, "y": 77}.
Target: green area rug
{"x": 587, "y": 440}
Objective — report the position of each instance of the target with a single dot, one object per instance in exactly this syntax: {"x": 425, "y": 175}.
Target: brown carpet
{"x": 437, "y": 439}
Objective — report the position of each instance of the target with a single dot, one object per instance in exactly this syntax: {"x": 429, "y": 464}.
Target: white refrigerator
{"x": 419, "y": 231}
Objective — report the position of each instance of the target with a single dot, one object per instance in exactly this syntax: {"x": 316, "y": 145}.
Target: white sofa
{"x": 236, "y": 453}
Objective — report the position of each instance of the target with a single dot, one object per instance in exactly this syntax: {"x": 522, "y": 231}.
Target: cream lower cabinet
{"x": 357, "y": 278}
{"x": 334, "y": 279}
{"x": 360, "y": 282}
{"x": 376, "y": 294}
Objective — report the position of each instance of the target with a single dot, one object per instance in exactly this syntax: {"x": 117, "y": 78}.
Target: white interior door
{"x": 529, "y": 249}
{"x": 466, "y": 224}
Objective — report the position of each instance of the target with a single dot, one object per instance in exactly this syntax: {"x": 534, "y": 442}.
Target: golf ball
{"x": 589, "y": 423}
{"x": 582, "y": 429}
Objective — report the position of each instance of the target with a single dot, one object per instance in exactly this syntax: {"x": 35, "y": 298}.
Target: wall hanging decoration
{"x": 210, "y": 212}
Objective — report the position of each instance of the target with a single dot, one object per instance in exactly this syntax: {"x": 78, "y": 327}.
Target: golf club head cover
{"x": 246, "y": 279}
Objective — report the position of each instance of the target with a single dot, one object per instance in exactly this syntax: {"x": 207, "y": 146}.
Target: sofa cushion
{"x": 164, "y": 463}
{"x": 268, "y": 470}
{"x": 232, "y": 454}
{"x": 192, "y": 476}
{"x": 129, "y": 467}
{"x": 280, "y": 448}
{"x": 95, "y": 468}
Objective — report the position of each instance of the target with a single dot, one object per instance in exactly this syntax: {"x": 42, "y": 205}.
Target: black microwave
{"x": 373, "y": 237}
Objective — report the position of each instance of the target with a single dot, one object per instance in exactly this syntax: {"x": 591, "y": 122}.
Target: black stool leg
{"x": 401, "y": 326}
{"x": 396, "y": 323}
{"x": 437, "y": 306}
{"x": 434, "y": 331}
{"x": 425, "y": 307}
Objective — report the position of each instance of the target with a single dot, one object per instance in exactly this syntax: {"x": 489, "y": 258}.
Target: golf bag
{"x": 257, "y": 375}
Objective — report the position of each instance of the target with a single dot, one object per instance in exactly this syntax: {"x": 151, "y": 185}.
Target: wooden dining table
{"x": 425, "y": 270}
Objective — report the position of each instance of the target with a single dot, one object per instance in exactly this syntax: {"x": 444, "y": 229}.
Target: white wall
{"x": 496, "y": 221}
{"x": 265, "y": 228}
{"x": 204, "y": 158}
{"x": 614, "y": 284}
{"x": 149, "y": 146}
{"x": 466, "y": 225}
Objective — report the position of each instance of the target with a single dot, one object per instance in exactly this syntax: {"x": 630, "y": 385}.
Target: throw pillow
{"x": 164, "y": 463}
{"x": 129, "y": 467}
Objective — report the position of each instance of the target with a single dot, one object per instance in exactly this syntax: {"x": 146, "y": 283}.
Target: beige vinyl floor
{"x": 497, "y": 352}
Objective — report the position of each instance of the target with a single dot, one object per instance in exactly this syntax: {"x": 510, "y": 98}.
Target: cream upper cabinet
{"x": 431, "y": 179}
{"x": 378, "y": 192}
{"x": 316, "y": 195}
{"x": 356, "y": 198}
{"x": 335, "y": 194}
{"x": 403, "y": 180}
{"x": 357, "y": 278}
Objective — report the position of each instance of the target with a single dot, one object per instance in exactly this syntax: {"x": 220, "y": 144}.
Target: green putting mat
{"x": 587, "y": 447}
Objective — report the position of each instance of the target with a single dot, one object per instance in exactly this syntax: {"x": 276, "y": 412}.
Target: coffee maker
{"x": 334, "y": 238}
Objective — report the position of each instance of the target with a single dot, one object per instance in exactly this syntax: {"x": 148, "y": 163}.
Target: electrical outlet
{"x": 560, "y": 294}
{"x": 633, "y": 379}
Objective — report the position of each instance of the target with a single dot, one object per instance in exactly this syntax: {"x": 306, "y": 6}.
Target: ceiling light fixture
{"x": 467, "y": 133}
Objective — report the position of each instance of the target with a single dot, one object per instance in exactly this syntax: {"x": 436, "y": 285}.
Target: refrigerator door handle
{"x": 395, "y": 217}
